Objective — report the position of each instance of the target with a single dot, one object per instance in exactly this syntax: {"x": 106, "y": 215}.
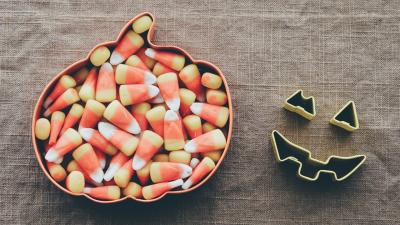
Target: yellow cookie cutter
{"x": 347, "y": 117}
{"x": 301, "y": 105}
{"x": 309, "y": 169}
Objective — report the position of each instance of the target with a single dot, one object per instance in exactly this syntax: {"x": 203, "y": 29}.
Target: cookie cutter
{"x": 304, "y": 106}
{"x": 347, "y": 117}
{"x": 338, "y": 167}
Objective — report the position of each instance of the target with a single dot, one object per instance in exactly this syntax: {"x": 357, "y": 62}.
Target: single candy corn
{"x": 68, "y": 98}
{"x": 142, "y": 24}
{"x": 88, "y": 89}
{"x": 216, "y": 97}
{"x": 190, "y": 76}
{"x": 137, "y": 93}
{"x": 68, "y": 141}
{"x": 63, "y": 84}
{"x": 92, "y": 113}
{"x": 180, "y": 157}
{"x": 192, "y": 123}
{"x": 149, "y": 144}
{"x": 124, "y": 174}
{"x": 101, "y": 157}
{"x": 104, "y": 193}
{"x": 100, "y": 56}
{"x": 81, "y": 75}
{"x": 125, "y": 74}
{"x": 168, "y": 171}
{"x": 121, "y": 117}
{"x": 159, "y": 69}
{"x": 172, "y": 60}
{"x": 73, "y": 116}
{"x": 139, "y": 112}
{"x": 116, "y": 163}
{"x": 73, "y": 166}
{"x": 161, "y": 157}
{"x": 156, "y": 190}
{"x": 135, "y": 61}
{"x": 211, "y": 141}
{"x": 143, "y": 174}
{"x": 187, "y": 98}
{"x": 129, "y": 44}
{"x": 214, "y": 155}
{"x": 146, "y": 60}
{"x": 106, "y": 88}
{"x": 75, "y": 182}
{"x": 207, "y": 127}
{"x": 57, "y": 172}
{"x": 155, "y": 116}
{"x": 56, "y": 123}
{"x": 217, "y": 115}
{"x": 211, "y": 80}
{"x": 194, "y": 162}
{"x": 173, "y": 133}
{"x": 133, "y": 189}
{"x": 169, "y": 89}
{"x": 94, "y": 138}
{"x": 205, "y": 167}
{"x": 124, "y": 141}
{"x": 87, "y": 159}
{"x": 42, "y": 129}
{"x": 157, "y": 100}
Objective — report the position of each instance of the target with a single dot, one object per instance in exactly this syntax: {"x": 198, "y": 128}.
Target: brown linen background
{"x": 335, "y": 50}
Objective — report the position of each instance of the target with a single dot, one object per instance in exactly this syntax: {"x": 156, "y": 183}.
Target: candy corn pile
{"x": 135, "y": 122}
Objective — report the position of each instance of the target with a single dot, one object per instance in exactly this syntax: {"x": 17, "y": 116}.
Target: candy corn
{"x": 149, "y": 144}
{"x": 157, "y": 100}
{"x": 143, "y": 174}
{"x": 81, "y": 75}
{"x": 187, "y": 98}
{"x": 106, "y": 90}
{"x": 139, "y": 112}
{"x": 156, "y": 190}
{"x": 87, "y": 159}
{"x": 159, "y": 69}
{"x": 56, "y": 123}
{"x": 211, "y": 141}
{"x": 168, "y": 171}
{"x": 125, "y": 74}
{"x": 135, "y": 61}
{"x": 129, "y": 44}
{"x": 214, "y": 155}
{"x": 92, "y": 113}
{"x": 172, "y": 60}
{"x": 211, "y": 80}
{"x": 137, "y": 93}
{"x": 66, "y": 143}
{"x": 69, "y": 97}
{"x": 63, "y": 84}
{"x": 116, "y": 162}
{"x": 94, "y": 138}
{"x": 217, "y": 115}
{"x": 190, "y": 76}
{"x": 75, "y": 182}
{"x": 88, "y": 89}
{"x": 73, "y": 116}
{"x": 192, "y": 123}
{"x": 133, "y": 189}
{"x": 120, "y": 116}
{"x": 180, "y": 157}
{"x": 161, "y": 157}
{"x": 173, "y": 133}
{"x": 73, "y": 166}
{"x": 207, "y": 127}
{"x": 104, "y": 193}
{"x": 194, "y": 162}
{"x": 169, "y": 89}
{"x": 100, "y": 56}
{"x": 124, "y": 141}
{"x": 58, "y": 160}
{"x": 57, "y": 172}
{"x": 142, "y": 24}
{"x": 216, "y": 97}
{"x": 205, "y": 167}
{"x": 155, "y": 116}
{"x": 101, "y": 157}
{"x": 42, "y": 129}
{"x": 124, "y": 174}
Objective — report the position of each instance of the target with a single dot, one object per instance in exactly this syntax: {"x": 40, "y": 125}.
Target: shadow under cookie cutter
{"x": 309, "y": 169}
{"x": 347, "y": 117}
{"x": 301, "y": 105}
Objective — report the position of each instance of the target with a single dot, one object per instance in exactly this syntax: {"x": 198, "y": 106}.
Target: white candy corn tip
{"x": 157, "y": 99}
{"x": 190, "y": 146}
{"x": 59, "y": 160}
{"x": 102, "y": 163}
{"x": 51, "y": 155}
{"x": 134, "y": 127}
{"x": 107, "y": 130}
{"x": 87, "y": 190}
{"x": 138, "y": 163}
{"x": 187, "y": 170}
{"x": 194, "y": 162}
{"x": 153, "y": 91}
{"x": 175, "y": 183}
{"x": 116, "y": 58}
{"x": 86, "y": 133}
{"x": 150, "y": 53}
{"x": 112, "y": 169}
{"x": 196, "y": 108}
{"x": 107, "y": 66}
{"x": 171, "y": 115}
{"x": 149, "y": 78}
{"x": 174, "y": 104}
{"x": 188, "y": 183}
{"x": 97, "y": 176}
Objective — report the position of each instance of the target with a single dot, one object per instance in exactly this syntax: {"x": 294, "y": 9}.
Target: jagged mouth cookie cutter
{"x": 298, "y": 103}
{"x": 347, "y": 117}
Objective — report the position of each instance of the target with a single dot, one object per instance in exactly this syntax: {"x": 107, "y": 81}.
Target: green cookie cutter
{"x": 301, "y": 105}
{"x": 339, "y": 168}
{"x": 347, "y": 117}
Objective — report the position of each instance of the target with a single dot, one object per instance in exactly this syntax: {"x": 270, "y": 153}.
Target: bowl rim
{"x": 77, "y": 65}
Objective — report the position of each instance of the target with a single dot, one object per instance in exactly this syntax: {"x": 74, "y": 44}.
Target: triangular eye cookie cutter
{"x": 304, "y": 106}
{"x": 347, "y": 117}
{"x": 339, "y": 168}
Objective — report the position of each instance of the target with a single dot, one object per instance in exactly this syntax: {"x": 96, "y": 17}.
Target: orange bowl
{"x": 79, "y": 64}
